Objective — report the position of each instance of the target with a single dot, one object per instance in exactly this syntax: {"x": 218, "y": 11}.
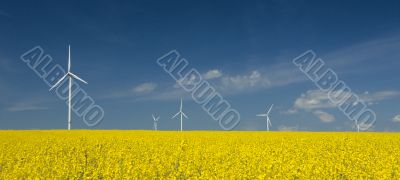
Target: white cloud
{"x": 227, "y": 84}
{"x": 262, "y": 78}
{"x": 254, "y": 80}
{"x": 313, "y": 99}
{"x": 317, "y": 99}
{"x": 145, "y": 88}
{"x": 212, "y": 74}
{"x": 290, "y": 111}
{"x": 379, "y": 96}
{"x": 231, "y": 83}
{"x": 25, "y": 106}
{"x": 353, "y": 57}
{"x": 324, "y": 116}
{"x": 396, "y": 118}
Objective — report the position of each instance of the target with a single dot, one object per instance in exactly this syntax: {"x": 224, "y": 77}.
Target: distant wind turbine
{"x": 70, "y": 76}
{"x": 182, "y": 114}
{"x": 267, "y": 115}
{"x": 155, "y": 119}
{"x": 357, "y": 125}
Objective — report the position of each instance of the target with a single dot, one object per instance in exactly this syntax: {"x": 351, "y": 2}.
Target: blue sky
{"x": 244, "y": 48}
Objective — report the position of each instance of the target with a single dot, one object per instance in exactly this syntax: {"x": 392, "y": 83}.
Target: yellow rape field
{"x": 86, "y": 154}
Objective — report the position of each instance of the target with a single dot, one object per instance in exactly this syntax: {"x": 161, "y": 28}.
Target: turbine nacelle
{"x": 70, "y": 75}
{"x": 155, "y": 117}
{"x": 179, "y": 113}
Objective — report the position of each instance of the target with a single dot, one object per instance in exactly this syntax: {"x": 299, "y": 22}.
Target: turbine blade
{"x": 181, "y": 105}
{"x": 58, "y": 82}
{"x": 269, "y": 121}
{"x": 69, "y": 58}
{"x": 270, "y": 108}
{"x": 154, "y": 118}
{"x": 76, "y": 77}
{"x": 175, "y": 115}
{"x": 184, "y": 115}
{"x": 261, "y": 115}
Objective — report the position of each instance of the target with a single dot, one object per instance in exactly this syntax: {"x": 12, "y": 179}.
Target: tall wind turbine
{"x": 267, "y": 115}
{"x": 155, "y": 119}
{"x": 181, "y": 113}
{"x": 70, "y": 76}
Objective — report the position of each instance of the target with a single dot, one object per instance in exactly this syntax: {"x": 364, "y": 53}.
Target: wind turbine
{"x": 267, "y": 115}
{"x": 357, "y": 125}
{"x": 181, "y": 113}
{"x": 70, "y": 76}
{"x": 155, "y": 119}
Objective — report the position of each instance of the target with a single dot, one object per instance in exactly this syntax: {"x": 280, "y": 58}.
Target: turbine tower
{"x": 182, "y": 114}
{"x": 267, "y": 115}
{"x": 70, "y": 76}
{"x": 155, "y": 119}
{"x": 357, "y": 125}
